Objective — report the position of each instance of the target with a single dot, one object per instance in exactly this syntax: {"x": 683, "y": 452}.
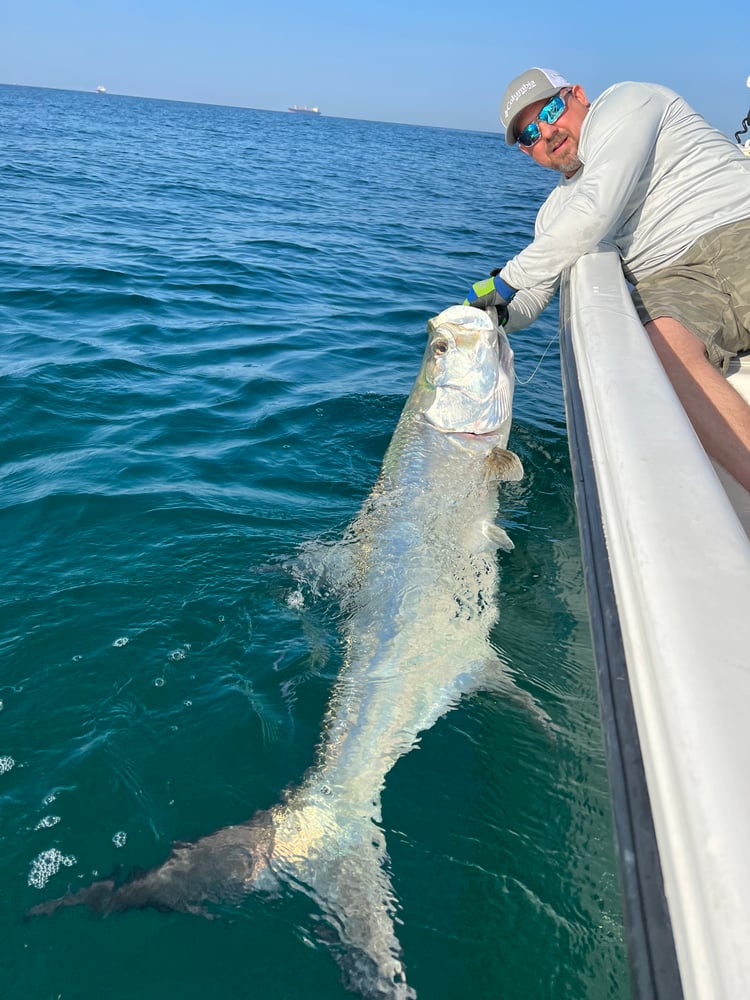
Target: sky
{"x": 443, "y": 63}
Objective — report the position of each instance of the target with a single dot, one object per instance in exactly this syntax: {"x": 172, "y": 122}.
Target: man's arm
{"x": 527, "y": 304}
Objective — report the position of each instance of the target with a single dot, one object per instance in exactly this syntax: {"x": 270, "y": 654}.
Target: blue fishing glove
{"x": 491, "y": 291}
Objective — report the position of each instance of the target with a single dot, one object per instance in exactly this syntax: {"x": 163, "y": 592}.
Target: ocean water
{"x": 210, "y": 320}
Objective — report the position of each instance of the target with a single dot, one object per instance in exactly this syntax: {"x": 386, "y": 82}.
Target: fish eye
{"x": 440, "y": 347}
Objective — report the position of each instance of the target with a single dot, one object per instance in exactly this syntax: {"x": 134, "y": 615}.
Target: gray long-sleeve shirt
{"x": 655, "y": 177}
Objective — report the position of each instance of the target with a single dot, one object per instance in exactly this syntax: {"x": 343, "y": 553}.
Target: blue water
{"x": 211, "y": 318}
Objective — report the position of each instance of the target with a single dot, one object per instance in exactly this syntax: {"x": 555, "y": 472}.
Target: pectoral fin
{"x": 498, "y": 680}
{"x": 505, "y": 465}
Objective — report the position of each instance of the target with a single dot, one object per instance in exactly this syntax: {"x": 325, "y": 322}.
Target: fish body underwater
{"x": 419, "y": 597}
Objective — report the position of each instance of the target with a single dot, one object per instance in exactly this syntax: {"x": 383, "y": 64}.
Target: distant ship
{"x": 304, "y": 111}
{"x": 101, "y": 90}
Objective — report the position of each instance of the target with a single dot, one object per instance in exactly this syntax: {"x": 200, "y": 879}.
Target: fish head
{"x": 465, "y": 384}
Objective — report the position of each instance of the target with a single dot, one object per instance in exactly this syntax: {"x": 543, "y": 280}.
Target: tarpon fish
{"x": 420, "y": 599}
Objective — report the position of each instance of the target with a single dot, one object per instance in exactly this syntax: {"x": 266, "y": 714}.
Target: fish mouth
{"x": 467, "y": 433}
{"x": 477, "y": 437}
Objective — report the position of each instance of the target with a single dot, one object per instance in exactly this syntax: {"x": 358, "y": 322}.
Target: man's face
{"x": 558, "y": 146}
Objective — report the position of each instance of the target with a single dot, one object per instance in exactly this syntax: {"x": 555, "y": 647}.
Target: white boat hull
{"x": 667, "y": 563}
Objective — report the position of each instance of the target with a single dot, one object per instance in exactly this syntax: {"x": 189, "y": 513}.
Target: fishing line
{"x": 521, "y": 381}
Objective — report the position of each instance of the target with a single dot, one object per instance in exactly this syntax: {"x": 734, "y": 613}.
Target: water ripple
{"x": 211, "y": 319}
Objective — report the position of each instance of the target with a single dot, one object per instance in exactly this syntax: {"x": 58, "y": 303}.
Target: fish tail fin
{"x": 362, "y": 910}
{"x": 345, "y": 873}
{"x": 338, "y": 859}
{"x": 106, "y": 896}
{"x": 96, "y": 896}
{"x": 221, "y": 867}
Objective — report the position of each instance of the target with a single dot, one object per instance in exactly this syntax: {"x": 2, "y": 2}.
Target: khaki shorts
{"x": 707, "y": 289}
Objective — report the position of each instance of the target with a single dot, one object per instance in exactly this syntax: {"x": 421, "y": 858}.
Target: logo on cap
{"x": 525, "y": 87}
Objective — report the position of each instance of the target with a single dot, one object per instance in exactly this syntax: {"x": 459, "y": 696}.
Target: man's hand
{"x": 491, "y": 291}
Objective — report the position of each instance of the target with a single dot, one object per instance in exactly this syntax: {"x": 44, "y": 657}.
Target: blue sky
{"x": 410, "y": 61}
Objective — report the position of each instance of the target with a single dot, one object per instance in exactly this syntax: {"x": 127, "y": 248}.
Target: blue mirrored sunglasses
{"x": 549, "y": 114}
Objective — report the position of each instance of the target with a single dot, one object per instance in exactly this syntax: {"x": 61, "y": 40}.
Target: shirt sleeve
{"x": 529, "y": 303}
{"x": 617, "y": 143}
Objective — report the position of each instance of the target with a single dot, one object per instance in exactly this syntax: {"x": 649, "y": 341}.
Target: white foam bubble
{"x": 295, "y": 599}
{"x": 122, "y": 641}
{"x": 6, "y": 764}
{"x": 46, "y": 822}
{"x": 120, "y": 838}
{"x": 47, "y": 864}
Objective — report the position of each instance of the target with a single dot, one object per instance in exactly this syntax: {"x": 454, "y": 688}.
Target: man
{"x": 645, "y": 174}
